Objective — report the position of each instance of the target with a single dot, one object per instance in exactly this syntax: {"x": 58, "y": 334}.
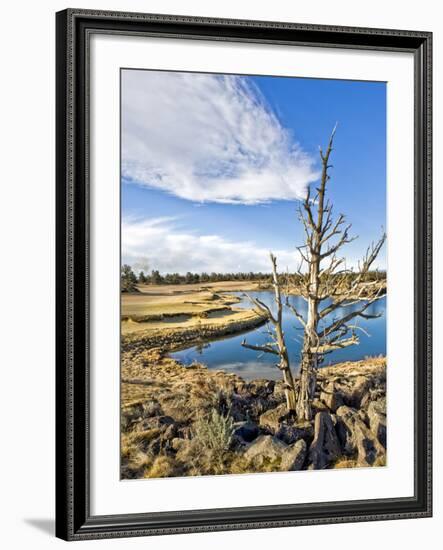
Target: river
{"x": 227, "y": 353}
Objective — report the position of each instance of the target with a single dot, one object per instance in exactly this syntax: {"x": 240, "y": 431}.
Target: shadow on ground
{"x": 42, "y": 524}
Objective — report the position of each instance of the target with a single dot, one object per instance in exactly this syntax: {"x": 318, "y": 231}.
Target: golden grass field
{"x": 175, "y": 307}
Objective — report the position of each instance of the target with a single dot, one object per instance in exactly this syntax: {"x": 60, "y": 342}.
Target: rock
{"x": 326, "y": 446}
{"x": 374, "y": 394}
{"x": 247, "y": 432}
{"x": 377, "y": 419}
{"x": 170, "y": 432}
{"x": 353, "y": 390}
{"x": 331, "y": 397}
{"x": 368, "y": 447}
{"x": 365, "y": 400}
{"x": 259, "y": 405}
{"x": 273, "y": 417}
{"x": 346, "y": 418}
{"x": 290, "y": 433}
{"x": 357, "y": 438}
{"x": 238, "y": 407}
{"x": 261, "y": 387}
{"x": 265, "y": 448}
{"x": 129, "y": 416}
{"x": 363, "y": 416}
{"x": 152, "y": 408}
{"x": 294, "y": 457}
{"x": 361, "y": 385}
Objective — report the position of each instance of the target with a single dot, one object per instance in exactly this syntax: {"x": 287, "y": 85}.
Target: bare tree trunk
{"x": 277, "y": 346}
{"x": 284, "y": 358}
{"x": 309, "y": 359}
{"x": 308, "y": 380}
{"x": 289, "y": 388}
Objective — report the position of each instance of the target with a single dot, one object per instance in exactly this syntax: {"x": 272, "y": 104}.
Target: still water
{"x": 227, "y": 353}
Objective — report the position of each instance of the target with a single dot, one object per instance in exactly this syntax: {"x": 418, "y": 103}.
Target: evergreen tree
{"x": 128, "y": 279}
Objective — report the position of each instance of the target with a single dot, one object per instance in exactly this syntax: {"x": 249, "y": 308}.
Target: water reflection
{"x": 227, "y": 354}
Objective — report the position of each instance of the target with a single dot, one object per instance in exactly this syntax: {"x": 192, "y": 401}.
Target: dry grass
{"x": 172, "y": 300}
{"x": 159, "y": 310}
{"x": 177, "y": 324}
{"x": 200, "y": 403}
{"x": 345, "y": 463}
{"x": 163, "y": 466}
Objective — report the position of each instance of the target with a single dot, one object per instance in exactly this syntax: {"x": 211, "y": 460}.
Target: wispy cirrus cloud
{"x": 208, "y": 138}
{"x": 161, "y": 243}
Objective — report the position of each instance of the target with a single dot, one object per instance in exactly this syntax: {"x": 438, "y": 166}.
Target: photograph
{"x": 254, "y": 294}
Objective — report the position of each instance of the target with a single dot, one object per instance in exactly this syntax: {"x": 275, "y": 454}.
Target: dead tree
{"x": 323, "y": 277}
{"x": 276, "y": 345}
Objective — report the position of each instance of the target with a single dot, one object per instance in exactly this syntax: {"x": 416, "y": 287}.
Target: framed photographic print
{"x": 243, "y": 274}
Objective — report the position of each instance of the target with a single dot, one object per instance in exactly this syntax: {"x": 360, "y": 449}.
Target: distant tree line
{"x": 129, "y": 279}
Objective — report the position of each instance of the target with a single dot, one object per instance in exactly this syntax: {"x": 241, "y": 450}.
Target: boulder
{"x": 238, "y": 407}
{"x": 294, "y": 457}
{"x": 290, "y": 433}
{"x": 132, "y": 414}
{"x": 129, "y": 416}
{"x": 326, "y": 446}
{"x": 331, "y": 397}
{"x": 261, "y": 387}
{"x": 273, "y": 417}
{"x": 246, "y": 432}
{"x": 265, "y": 448}
{"x": 360, "y": 387}
{"x": 357, "y": 438}
{"x": 374, "y": 394}
{"x": 377, "y": 419}
{"x": 170, "y": 432}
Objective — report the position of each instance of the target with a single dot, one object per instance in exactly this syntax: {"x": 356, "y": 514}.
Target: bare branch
{"x": 325, "y": 348}
{"x": 337, "y": 324}
{"x": 296, "y": 312}
{"x": 262, "y": 307}
{"x": 264, "y": 349}
{"x": 344, "y": 239}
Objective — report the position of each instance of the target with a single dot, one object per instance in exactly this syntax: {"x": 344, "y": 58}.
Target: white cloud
{"x": 208, "y": 138}
{"x": 161, "y": 244}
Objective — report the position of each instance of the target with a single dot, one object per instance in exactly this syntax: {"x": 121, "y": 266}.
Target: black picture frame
{"x": 73, "y": 518}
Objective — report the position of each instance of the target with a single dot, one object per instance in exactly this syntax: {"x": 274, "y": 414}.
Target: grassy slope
{"x": 158, "y": 311}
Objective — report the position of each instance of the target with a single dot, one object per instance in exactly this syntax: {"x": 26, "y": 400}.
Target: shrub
{"x": 214, "y": 431}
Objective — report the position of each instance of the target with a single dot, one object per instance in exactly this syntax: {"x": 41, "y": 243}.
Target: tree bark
{"x": 309, "y": 359}
{"x": 308, "y": 380}
{"x": 277, "y": 346}
{"x": 284, "y": 365}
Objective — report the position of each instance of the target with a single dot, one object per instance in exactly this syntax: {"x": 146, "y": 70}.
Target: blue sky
{"x": 213, "y": 166}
